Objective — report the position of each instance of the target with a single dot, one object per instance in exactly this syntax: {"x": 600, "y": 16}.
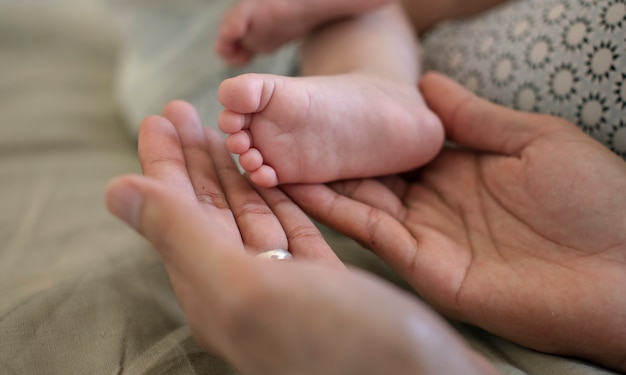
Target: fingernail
{"x": 124, "y": 202}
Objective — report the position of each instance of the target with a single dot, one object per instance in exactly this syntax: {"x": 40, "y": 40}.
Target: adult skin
{"x": 521, "y": 230}
{"x": 311, "y": 315}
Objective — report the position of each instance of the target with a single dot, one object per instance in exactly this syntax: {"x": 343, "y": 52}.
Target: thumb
{"x": 187, "y": 239}
{"x": 477, "y": 123}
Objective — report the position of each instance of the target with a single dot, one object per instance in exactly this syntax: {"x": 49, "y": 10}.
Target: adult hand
{"x": 521, "y": 230}
{"x": 306, "y": 316}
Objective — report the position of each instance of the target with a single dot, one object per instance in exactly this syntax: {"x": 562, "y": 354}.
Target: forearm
{"x": 425, "y": 14}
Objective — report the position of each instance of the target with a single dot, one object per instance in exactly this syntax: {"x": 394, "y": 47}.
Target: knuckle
{"x": 162, "y": 160}
{"x": 303, "y": 232}
{"x": 250, "y": 207}
{"x": 373, "y": 222}
{"x": 212, "y": 198}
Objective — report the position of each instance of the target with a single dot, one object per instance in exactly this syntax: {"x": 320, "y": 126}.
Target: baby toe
{"x": 231, "y": 122}
{"x": 265, "y": 176}
{"x": 251, "y": 160}
{"x": 238, "y": 143}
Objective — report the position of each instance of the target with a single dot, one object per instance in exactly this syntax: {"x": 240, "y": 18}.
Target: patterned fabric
{"x": 561, "y": 57}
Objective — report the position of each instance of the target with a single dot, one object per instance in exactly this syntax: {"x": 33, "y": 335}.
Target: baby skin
{"x": 254, "y": 26}
{"x": 325, "y": 128}
{"x": 356, "y": 114}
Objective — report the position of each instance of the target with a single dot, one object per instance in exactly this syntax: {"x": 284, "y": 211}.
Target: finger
{"x": 259, "y": 227}
{"x": 160, "y": 153}
{"x": 476, "y": 123}
{"x": 375, "y": 193}
{"x": 238, "y": 56}
{"x": 199, "y": 165}
{"x": 190, "y": 242}
{"x": 203, "y": 262}
{"x": 235, "y": 24}
{"x": 396, "y": 184}
{"x": 370, "y": 226}
{"x": 305, "y": 240}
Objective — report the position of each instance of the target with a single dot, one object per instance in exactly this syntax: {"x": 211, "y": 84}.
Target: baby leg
{"x": 357, "y": 114}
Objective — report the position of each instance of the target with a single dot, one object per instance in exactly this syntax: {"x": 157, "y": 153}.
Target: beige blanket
{"x": 80, "y": 293}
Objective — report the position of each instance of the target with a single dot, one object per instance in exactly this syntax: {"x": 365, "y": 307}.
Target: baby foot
{"x": 254, "y": 26}
{"x": 326, "y": 128}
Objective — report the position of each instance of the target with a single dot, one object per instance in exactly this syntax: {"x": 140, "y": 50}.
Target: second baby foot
{"x": 253, "y": 26}
{"x": 324, "y": 128}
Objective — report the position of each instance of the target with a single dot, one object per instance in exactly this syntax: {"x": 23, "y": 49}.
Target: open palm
{"x": 521, "y": 231}
{"x": 311, "y": 315}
